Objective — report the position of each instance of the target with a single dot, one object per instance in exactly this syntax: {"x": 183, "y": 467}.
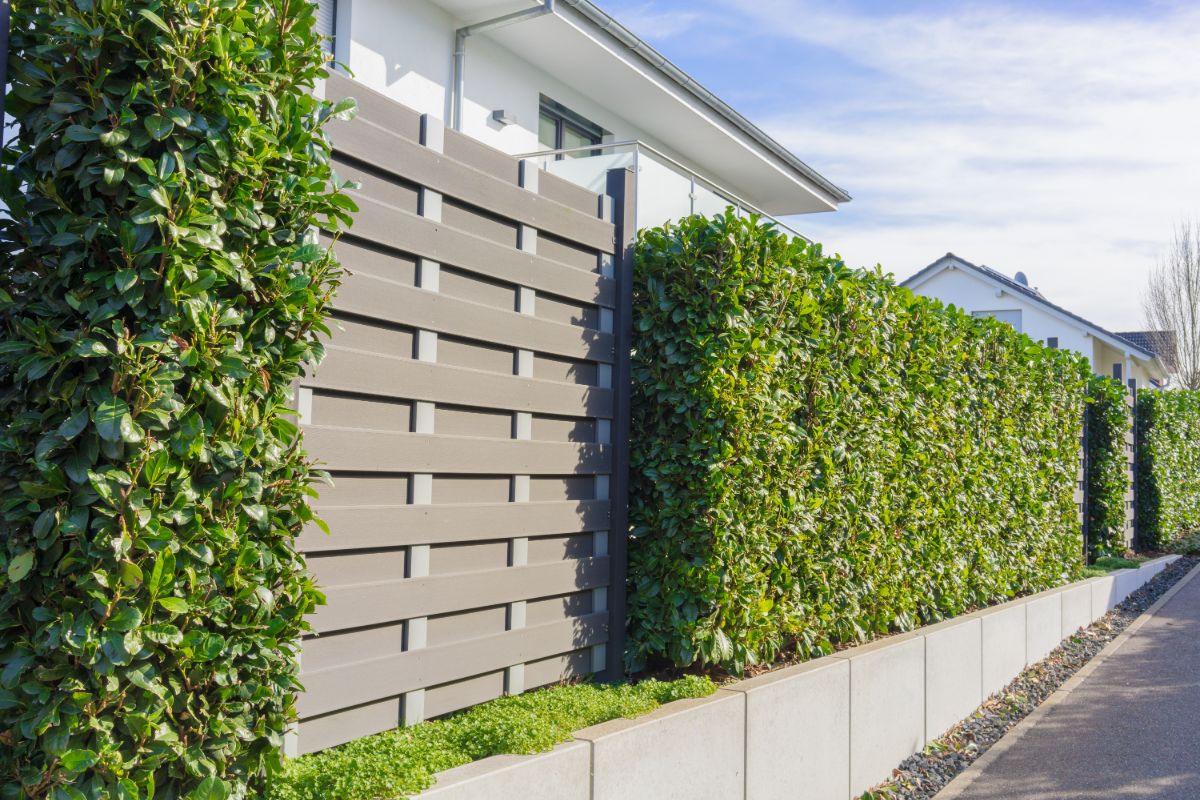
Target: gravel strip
{"x": 925, "y": 774}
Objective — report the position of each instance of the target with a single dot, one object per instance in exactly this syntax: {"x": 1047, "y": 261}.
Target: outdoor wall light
{"x": 503, "y": 117}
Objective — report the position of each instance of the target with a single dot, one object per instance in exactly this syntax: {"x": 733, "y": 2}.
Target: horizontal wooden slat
{"x": 365, "y": 450}
{"x": 374, "y": 106}
{"x": 407, "y": 159}
{"x": 379, "y": 299}
{"x": 361, "y": 372}
{"x": 567, "y": 193}
{"x": 474, "y": 153}
{"x": 386, "y": 225}
{"x": 362, "y": 527}
{"x": 340, "y": 687}
{"x": 365, "y": 604}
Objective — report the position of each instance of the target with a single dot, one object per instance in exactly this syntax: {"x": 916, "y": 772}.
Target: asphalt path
{"x": 1129, "y": 729}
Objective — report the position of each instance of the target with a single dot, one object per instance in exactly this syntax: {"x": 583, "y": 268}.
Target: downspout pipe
{"x": 459, "y": 69}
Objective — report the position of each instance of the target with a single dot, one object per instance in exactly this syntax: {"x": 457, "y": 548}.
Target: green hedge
{"x": 1168, "y": 466}
{"x": 820, "y": 456}
{"x": 1108, "y": 422}
{"x": 158, "y": 296}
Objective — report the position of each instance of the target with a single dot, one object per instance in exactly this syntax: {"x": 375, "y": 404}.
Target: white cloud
{"x": 642, "y": 17}
{"x": 1059, "y": 145}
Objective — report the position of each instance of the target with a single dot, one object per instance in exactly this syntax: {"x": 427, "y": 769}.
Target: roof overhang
{"x": 591, "y": 53}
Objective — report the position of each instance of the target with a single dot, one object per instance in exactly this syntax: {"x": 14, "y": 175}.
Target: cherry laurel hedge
{"x": 1108, "y": 422}
{"x": 1168, "y": 466}
{"x": 820, "y": 456}
{"x": 159, "y": 293}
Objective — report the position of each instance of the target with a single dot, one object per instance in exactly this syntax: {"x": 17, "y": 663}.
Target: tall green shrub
{"x": 1168, "y": 466}
{"x": 1108, "y": 422}
{"x": 819, "y": 456}
{"x": 159, "y": 294}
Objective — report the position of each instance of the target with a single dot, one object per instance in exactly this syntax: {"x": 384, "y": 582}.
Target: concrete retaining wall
{"x": 824, "y": 730}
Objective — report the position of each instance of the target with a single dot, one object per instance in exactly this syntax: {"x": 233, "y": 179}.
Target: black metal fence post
{"x": 4, "y": 13}
{"x": 1133, "y": 470}
{"x": 1084, "y": 472}
{"x": 622, "y": 189}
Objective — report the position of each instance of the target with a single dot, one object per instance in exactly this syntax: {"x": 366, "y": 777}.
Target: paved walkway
{"x": 1130, "y": 729}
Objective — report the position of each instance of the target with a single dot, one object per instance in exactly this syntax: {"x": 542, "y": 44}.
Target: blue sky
{"x": 1057, "y": 138}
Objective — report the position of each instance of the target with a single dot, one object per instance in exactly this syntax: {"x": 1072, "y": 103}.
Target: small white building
{"x": 982, "y": 291}
{"x": 565, "y": 83}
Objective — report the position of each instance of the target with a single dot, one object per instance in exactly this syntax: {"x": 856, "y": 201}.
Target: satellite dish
{"x": 1021, "y": 279}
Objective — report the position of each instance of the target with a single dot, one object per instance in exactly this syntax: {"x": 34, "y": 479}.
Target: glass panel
{"x": 548, "y": 131}
{"x": 573, "y": 137}
{"x": 590, "y": 173}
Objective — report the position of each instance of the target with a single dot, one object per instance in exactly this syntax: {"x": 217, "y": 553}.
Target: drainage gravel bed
{"x": 925, "y": 774}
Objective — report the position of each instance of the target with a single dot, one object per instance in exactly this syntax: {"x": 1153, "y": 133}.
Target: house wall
{"x": 404, "y": 49}
{"x": 971, "y": 294}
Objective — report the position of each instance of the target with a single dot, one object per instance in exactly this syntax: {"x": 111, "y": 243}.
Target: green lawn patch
{"x": 403, "y": 762}
{"x": 1107, "y": 564}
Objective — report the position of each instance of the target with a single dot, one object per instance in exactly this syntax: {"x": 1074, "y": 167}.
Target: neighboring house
{"x": 983, "y": 291}
{"x": 1162, "y": 343}
{"x": 565, "y": 83}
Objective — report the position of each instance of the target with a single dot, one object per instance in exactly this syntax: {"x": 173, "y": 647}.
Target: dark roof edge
{"x": 689, "y": 84}
{"x": 1028, "y": 293}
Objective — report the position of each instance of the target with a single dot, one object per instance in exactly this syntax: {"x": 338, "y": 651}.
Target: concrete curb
{"x": 958, "y": 787}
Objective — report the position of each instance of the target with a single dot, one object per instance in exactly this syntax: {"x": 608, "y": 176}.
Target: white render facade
{"x": 693, "y": 153}
{"x": 982, "y": 291}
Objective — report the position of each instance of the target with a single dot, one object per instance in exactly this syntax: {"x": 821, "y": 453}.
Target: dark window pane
{"x": 573, "y": 137}
{"x": 326, "y": 16}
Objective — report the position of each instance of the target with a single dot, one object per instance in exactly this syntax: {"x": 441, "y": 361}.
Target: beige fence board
{"x": 406, "y": 158}
{"x": 391, "y": 376}
{"x": 567, "y": 193}
{"x": 379, "y": 299}
{"x": 366, "y": 450}
{"x": 374, "y": 106}
{"x": 376, "y": 679}
{"x": 401, "y": 230}
{"x": 363, "y": 527}
{"x": 476, "y": 154}
{"x": 389, "y": 601}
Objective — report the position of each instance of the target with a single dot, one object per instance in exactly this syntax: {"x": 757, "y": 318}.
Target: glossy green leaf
{"x": 20, "y": 566}
{"x": 109, "y": 416}
{"x": 176, "y": 605}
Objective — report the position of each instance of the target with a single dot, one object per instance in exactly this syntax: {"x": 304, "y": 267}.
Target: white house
{"x": 567, "y": 84}
{"x": 983, "y": 291}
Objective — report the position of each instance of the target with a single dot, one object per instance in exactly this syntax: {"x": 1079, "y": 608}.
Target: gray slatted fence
{"x": 467, "y": 409}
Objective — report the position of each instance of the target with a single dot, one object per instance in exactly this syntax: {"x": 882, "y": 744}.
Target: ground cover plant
{"x": 159, "y": 293}
{"x": 403, "y": 761}
{"x": 1106, "y": 564}
{"x": 820, "y": 456}
{"x": 1108, "y": 422}
{"x": 1168, "y": 466}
